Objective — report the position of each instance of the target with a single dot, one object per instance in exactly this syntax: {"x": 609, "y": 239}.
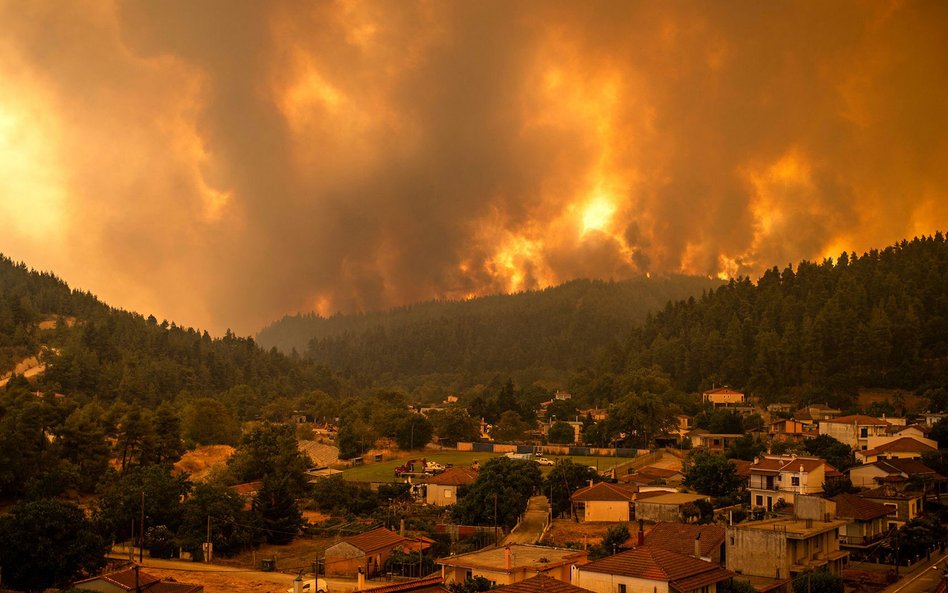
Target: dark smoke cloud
{"x": 225, "y": 163}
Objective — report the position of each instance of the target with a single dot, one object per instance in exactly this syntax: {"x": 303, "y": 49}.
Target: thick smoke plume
{"x": 223, "y": 163}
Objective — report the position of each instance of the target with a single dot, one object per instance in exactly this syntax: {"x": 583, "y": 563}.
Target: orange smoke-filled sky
{"x": 223, "y": 163}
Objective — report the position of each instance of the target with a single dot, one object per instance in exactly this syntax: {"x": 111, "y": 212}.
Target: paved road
{"x": 530, "y": 528}
{"x": 921, "y": 580}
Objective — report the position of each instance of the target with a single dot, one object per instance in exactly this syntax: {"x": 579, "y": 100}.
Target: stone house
{"x": 366, "y": 551}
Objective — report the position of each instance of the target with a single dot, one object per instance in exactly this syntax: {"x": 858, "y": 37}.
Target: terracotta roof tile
{"x": 455, "y": 476}
{"x": 605, "y": 491}
{"x": 541, "y": 584}
{"x": 375, "y": 539}
{"x": 850, "y": 506}
{"x": 125, "y": 579}
{"x": 902, "y": 445}
{"x": 680, "y": 537}
{"x": 655, "y": 564}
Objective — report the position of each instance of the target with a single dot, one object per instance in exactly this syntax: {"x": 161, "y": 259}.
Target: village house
{"x": 814, "y": 413}
{"x": 904, "y": 504}
{"x": 511, "y": 564}
{"x": 867, "y": 522}
{"x": 789, "y": 431}
{"x": 442, "y": 489}
{"x": 897, "y": 472}
{"x": 650, "y": 570}
{"x": 899, "y": 448}
{"x": 134, "y": 579}
{"x": 722, "y": 396}
{"x": 664, "y": 506}
{"x": 854, "y": 430}
{"x": 603, "y": 501}
{"x": 782, "y": 548}
{"x": 783, "y": 477}
{"x": 717, "y": 443}
{"x": 365, "y": 552}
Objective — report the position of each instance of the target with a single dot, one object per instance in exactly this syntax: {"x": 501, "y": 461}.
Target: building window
{"x": 447, "y": 494}
{"x": 863, "y": 432}
{"x": 760, "y": 501}
{"x": 620, "y": 588}
{"x": 795, "y": 481}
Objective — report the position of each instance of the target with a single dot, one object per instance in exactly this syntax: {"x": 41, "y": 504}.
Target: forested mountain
{"x": 94, "y": 351}
{"x": 557, "y": 328}
{"x": 822, "y": 330}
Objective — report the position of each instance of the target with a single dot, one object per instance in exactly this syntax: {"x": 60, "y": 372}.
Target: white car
{"x": 543, "y": 461}
{"x": 434, "y": 466}
{"x": 310, "y": 586}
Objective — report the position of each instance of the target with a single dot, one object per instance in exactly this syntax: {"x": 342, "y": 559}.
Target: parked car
{"x": 543, "y": 461}
{"x": 311, "y": 586}
{"x": 434, "y": 466}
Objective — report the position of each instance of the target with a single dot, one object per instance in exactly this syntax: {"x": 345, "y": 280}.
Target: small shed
{"x": 367, "y": 551}
{"x": 664, "y": 506}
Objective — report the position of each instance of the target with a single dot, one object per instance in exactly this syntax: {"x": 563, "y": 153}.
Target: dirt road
{"x": 531, "y": 526}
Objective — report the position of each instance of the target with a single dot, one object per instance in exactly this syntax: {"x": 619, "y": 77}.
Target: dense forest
{"x": 530, "y": 335}
{"x": 822, "y": 330}
{"x": 818, "y": 331}
{"x": 94, "y": 351}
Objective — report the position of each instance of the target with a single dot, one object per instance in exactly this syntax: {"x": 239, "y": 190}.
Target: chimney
{"x": 756, "y": 460}
{"x": 401, "y": 528}
{"x": 508, "y": 558}
{"x": 641, "y": 539}
{"x": 360, "y": 580}
{"x": 590, "y": 482}
{"x": 698, "y": 546}
{"x": 298, "y": 583}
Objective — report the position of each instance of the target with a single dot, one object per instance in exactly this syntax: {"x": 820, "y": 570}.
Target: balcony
{"x": 859, "y": 541}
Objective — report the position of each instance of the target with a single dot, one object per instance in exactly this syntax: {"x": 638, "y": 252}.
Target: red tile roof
{"x": 902, "y": 445}
{"x": 657, "y": 564}
{"x": 375, "y": 540}
{"x": 724, "y": 390}
{"x": 125, "y": 579}
{"x": 247, "y": 488}
{"x": 680, "y": 537}
{"x": 741, "y": 467}
{"x": 605, "y": 491}
{"x": 541, "y": 584}
{"x": 455, "y": 476}
{"x": 850, "y": 506}
{"x": 787, "y": 464}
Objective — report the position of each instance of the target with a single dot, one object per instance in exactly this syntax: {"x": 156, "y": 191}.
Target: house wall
{"x": 757, "y": 552}
{"x": 656, "y": 512}
{"x": 441, "y": 495}
{"x": 345, "y": 559}
{"x": 725, "y": 398}
{"x": 887, "y": 455}
{"x": 607, "y": 583}
{"x": 607, "y": 510}
{"x": 863, "y": 476}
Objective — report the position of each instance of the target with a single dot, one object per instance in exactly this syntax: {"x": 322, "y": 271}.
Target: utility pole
{"x": 141, "y": 548}
{"x": 207, "y": 556}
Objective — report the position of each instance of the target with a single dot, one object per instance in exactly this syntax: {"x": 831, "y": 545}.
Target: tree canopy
{"x": 500, "y": 493}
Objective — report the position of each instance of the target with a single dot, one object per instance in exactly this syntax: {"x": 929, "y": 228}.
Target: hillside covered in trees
{"x": 92, "y": 350}
{"x": 819, "y": 331}
{"x": 531, "y": 334}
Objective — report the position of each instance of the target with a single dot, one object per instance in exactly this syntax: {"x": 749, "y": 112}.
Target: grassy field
{"x": 385, "y": 471}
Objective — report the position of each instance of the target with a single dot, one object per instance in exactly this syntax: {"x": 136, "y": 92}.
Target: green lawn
{"x": 385, "y": 471}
